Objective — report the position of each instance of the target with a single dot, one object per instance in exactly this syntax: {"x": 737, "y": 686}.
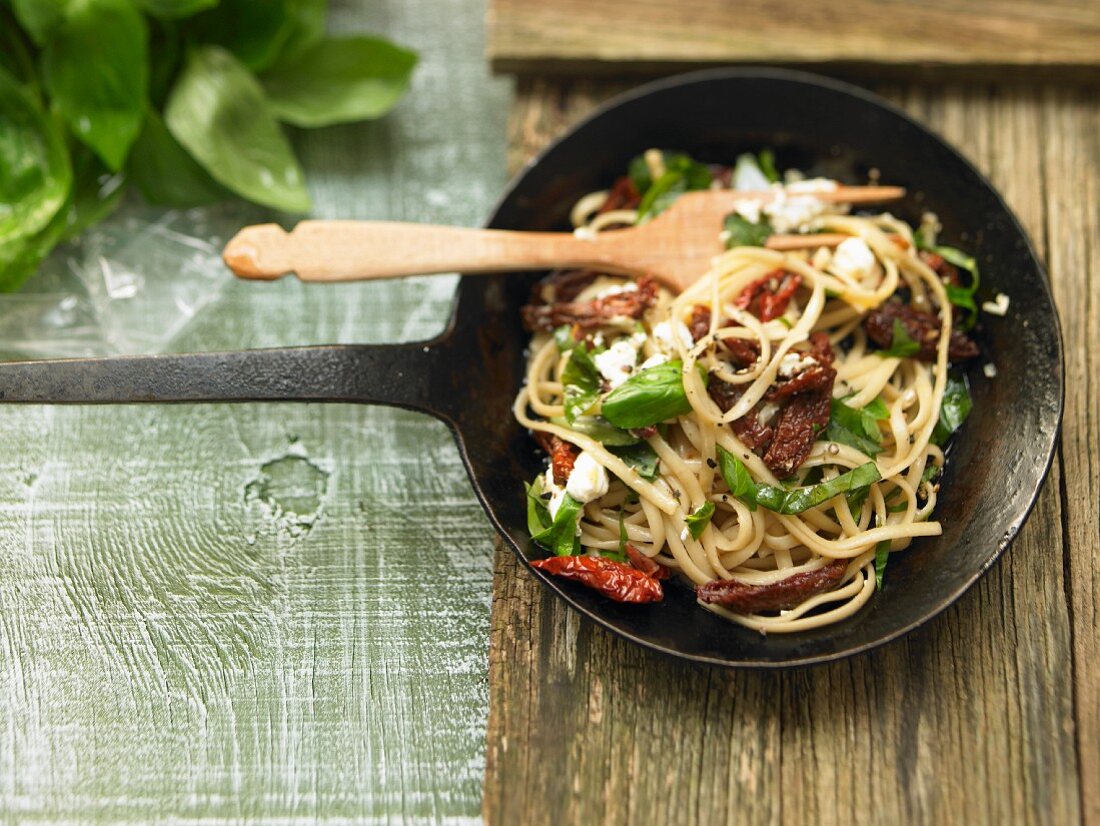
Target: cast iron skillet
{"x": 469, "y": 375}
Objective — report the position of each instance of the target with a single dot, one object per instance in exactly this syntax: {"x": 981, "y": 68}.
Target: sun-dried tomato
{"x": 921, "y": 326}
{"x": 646, "y": 565}
{"x": 818, "y": 377}
{"x": 623, "y": 195}
{"x": 700, "y": 321}
{"x": 938, "y": 265}
{"x": 615, "y": 580}
{"x": 755, "y": 435}
{"x": 742, "y": 352}
{"x": 779, "y": 596}
{"x": 562, "y": 285}
{"x": 796, "y": 427}
{"x": 628, "y": 304}
{"x": 562, "y": 454}
{"x": 768, "y": 297}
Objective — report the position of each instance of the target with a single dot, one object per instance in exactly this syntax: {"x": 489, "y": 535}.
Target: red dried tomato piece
{"x": 623, "y": 195}
{"x": 614, "y": 580}
{"x": 921, "y": 326}
{"x": 779, "y": 596}
{"x": 594, "y": 313}
{"x": 768, "y": 297}
{"x": 646, "y": 565}
{"x": 796, "y": 427}
{"x": 562, "y": 454}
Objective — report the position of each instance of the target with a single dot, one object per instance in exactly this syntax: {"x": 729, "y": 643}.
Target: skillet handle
{"x": 413, "y": 376}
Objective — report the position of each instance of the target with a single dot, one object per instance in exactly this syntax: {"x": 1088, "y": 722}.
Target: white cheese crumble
{"x": 616, "y": 363}
{"x": 747, "y": 175}
{"x": 685, "y": 535}
{"x": 793, "y": 213}
{"x": 616, "y": 289}
{"x": 990, "y": 370}
{"x": 794, "y": 363}
{"x": 663, "y": 332}
{"x": 653, "y": 361}
{"x": 853, "y": 259}
{"x": 999, "y": 306}
{"x": 588, "y": 480}
{"x": 749, "y": 209}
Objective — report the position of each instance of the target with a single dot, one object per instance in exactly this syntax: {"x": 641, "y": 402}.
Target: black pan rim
{"x": 750, "y": 73}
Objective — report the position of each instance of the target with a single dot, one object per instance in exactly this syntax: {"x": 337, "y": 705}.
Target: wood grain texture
{"x": 266, "y": 614}
{"x": 969, "y": 720}
{"x": 981, "y": 38}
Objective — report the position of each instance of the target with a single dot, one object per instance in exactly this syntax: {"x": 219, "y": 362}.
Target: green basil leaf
{"x": 582, "y": 383}
{"x": 165, "y": 173}
{"x": 256, "y": 31}
{"x": 960, "y": 296}
{"x": 538, "y": 517}
{"x": 218, "y": 113}
{"x": 766, "y": 161}
{"x": 648, "y": 397}
{"x": 882, "y": 555}
{"x": 15, "y": 56}
{"x": 855, "y": 501}
{"x": 682, "y": 174}
{"x": 638, "y": 171}
{"x": 901, "y": 344}
{"x": 741, "y": 232}
{"x": 856, "y": 427}
{"x": 35, "y": 173}
{"x": 39, "y": 17}
{"x": 790, "y": 502}
{"x": 561, "y": 537}
{"x": 954, "y": 410}
{"x": 641, "y": 457}
{"x": 175, "y": 9}
{"x": 96, "y": 69}
{"x": 339, "y": 80}
{"x": 698, "y": 520}
{"x": 598, "y": 428}
{"x": 737, "y": 477}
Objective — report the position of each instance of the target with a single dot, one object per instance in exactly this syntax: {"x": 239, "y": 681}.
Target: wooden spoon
{"x": 675, "y": 248}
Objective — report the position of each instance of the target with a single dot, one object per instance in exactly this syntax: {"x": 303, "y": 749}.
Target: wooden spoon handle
{"x": 354, "y": 250}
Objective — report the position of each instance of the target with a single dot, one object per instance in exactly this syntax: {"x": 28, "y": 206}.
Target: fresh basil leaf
{"x": 582, "y": 383}
{"x": 648, "y": 397}
{"x": 737, "y": 477}
{"x": 15, "y": 56}
{"x": 598, "y": 428}
{"x": 339, "y": 80}
{"x": 561, "y": 537}
{"x": 39, "y": 17}
{"x": 741, "y": 232}
{"x": 35, "y": 172}
{"x": 855, "y": 500}
{"x": 697, "y": 521}
{"x": 882, "y": 555}
{"x": 175, "y": 9}
{"x": 96, "y": 69}
{"x": 790, "y": 502}
{"x": 638, "y": 172}
{"x": 538, "y": 517}
{"x": 954, "y": 409}
{"x": 682, "y": 174}
{"x": 255, "y": 31}
{"x": 641, "y": 457}
{"x": 961, "y": 296}
{"x": 901, "y": 344}
{"x": 96, "y": 192}
{"x": 165, "y": 173}
{"x": 766, "y": 161}
{"x": 857, "y": 428}
{"x": 218, "y": 113}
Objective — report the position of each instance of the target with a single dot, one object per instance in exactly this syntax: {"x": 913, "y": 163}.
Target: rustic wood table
{"x": 280, "y": 614}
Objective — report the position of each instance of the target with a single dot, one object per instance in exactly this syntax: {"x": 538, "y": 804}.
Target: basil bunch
{"x": 184, "y": 98}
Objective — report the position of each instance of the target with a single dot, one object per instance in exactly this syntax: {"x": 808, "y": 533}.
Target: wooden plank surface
{"x": 979, "y": 38}
{"x": 988, "y": 715}
{"x": 265, "y": 614}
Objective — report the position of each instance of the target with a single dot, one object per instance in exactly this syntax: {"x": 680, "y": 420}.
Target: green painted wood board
{"x": 266, "y": 614}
